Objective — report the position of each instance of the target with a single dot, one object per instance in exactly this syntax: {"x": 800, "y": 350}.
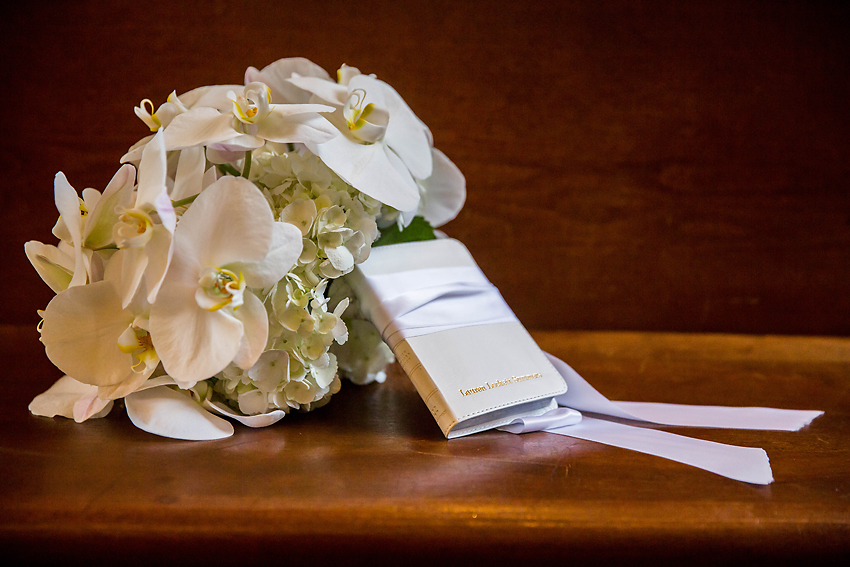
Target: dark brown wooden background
{"x": 673, "y": 166}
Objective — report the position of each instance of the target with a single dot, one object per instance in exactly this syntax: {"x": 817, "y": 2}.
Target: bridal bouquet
{"x": 206, "y": 276}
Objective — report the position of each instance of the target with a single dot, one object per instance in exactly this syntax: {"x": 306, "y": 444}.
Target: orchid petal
{"x": 100, "y": 221}
{"x": 288, "y": 110}
{"x": 162, "y": 411}
{"x": 275, "y": 76}
{"x": 238, "y": 144}
{"x": 199, "y": 126}
{"x": 165, "y": 210}
{"x": 54, "y": 266}
{"x": 192, "y": 343}
{"x": 91, "y": 406}
{"x": 190, "y": 173}
{"x": 68, "y": 204}
{"x": 445, "y": 191}
{"x": 210, "y": 177}
{"x": 326, "y": 90}
{"x": 256, "y": 331}
{"x": 134, "y": 154}
{"x": 81, "y": 330}
{"x": 214, "y": 96}
{"x": 405, "y": 134}
{"x": 133, "y": 262}
{"x": 61, "y": 398}
{"x": 284, "y": 252}
{"x": 299, "y": 128}
{"x": 90, "y": 198}
{"x": 126, "y": 388}
{"x": 368, "y": 169}
{"x": 152, "y": 172}
{"x": 229, "y": 222}
{"x": 261, "y": 420}
{"x": 159, "y": 252}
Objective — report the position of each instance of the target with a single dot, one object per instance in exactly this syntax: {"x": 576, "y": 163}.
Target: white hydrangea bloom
{"x": 364, "y": 357}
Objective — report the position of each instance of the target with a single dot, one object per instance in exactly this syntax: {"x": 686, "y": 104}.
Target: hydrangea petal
{"x": 162, "y": 411}
{"x": 341, "y": 258}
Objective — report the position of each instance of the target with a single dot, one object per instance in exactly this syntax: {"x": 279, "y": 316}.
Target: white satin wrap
{"x": 423, "y": 301}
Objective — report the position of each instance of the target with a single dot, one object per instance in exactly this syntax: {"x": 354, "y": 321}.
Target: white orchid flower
{"x": 251, "y": 121}
{"x": 84, "y": 226}
{"x": 213, "y": 96}
{"x": 144, "y": 228}
{"x": 276, "y": 74}
{"x": 92, "y": 337}
{"x": 163, "y": 115}
{"x": 383, "y": 145}
{"x": 205, "y": 315}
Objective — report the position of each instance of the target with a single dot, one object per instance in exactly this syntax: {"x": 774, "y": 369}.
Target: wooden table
{"x": 369, "y": 478}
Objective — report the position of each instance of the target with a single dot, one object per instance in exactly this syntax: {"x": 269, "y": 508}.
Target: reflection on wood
{"x": 370, "y": 479}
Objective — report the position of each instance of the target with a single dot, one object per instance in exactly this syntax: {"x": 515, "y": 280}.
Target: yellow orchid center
{"x": 219, "y": 287}
{"x": 146, "y": 112}
{"x": 355, "y": 112}
{"x": 133, "y": 229}
{"x": 253, "y": 104}
{"x": 367, "y": 123}
{"x": 137, "y": 342}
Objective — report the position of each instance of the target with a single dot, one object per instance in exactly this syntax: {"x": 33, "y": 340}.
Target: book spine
{"x": 424, "y": 384}
{"x": 410, "y": 363}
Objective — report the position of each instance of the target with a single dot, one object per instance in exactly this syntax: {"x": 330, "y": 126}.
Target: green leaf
{"x": 419, "y": 229}
{"x": 227, "y": 169}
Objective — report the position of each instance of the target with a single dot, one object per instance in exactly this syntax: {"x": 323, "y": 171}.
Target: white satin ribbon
{"x": 425, "y": 301}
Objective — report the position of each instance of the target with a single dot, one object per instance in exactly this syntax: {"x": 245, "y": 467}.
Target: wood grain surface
{"x": 666, "y": 166}
{"x": 369, "y": 479}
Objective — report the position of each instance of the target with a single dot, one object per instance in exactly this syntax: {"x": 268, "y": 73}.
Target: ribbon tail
{"x": 585, "y": 398}
{"x": 746, "y": 464}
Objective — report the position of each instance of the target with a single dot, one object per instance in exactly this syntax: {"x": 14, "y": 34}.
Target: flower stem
{"x": 246, "y": 169}
{"x": 186, "y": 201}
{"x": 226, "y": 168}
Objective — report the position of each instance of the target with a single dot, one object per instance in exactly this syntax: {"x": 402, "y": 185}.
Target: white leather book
{"x": 473, "y": 363}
